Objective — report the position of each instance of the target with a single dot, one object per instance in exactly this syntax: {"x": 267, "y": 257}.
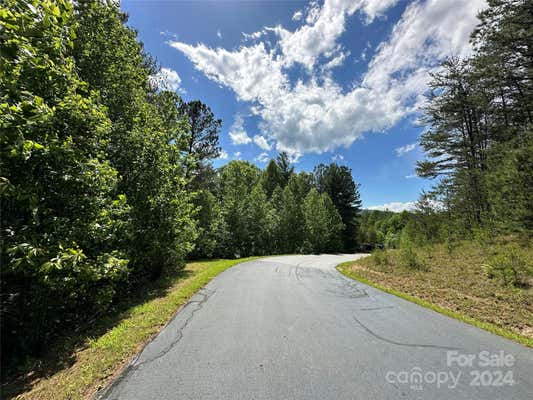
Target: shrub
{"x": 410, "y": 259}
{"x": 510, "y": 267}
{"x": 380, "y": 257}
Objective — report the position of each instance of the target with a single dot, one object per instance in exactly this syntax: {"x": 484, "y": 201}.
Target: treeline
{"x": 479, "y": 141}
{"x": 245, "y": 211}
{"x": 106, "y": 177}
{"x": 426, "y": 224}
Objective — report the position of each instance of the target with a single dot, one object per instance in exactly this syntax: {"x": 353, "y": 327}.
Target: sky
{"x": 326, "y": 81}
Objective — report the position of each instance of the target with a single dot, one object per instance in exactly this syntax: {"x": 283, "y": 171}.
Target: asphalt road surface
{"x": 292, "y": 327}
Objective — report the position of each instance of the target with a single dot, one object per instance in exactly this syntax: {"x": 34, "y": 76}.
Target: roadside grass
{"x": 455, "y": 283}
{"x": 78, "y": 372}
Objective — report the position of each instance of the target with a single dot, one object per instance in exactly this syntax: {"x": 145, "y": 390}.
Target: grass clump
{"x": 380, "y": 257}
{"x": 510, "y": 267}
{"x": 410, "y": 259}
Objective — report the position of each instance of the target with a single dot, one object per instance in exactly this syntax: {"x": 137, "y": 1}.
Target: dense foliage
{"x": 480, "y": 117}
{"x": 106, "y": 177}
{"x": 254, "y": 212}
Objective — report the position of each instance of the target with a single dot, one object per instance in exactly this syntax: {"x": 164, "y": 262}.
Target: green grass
{"x": 100, "y": 358}
{"x": 348, "y": 269}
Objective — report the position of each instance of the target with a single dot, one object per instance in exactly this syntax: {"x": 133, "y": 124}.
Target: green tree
{"x": 260, "y": 222}
{"x": 202, "y": 144}
{"x": 146, "y": 137}
{"x": 63, "y": 220}
{"x": 272, "y": 178}
{"x": 284, "y": 164}
{"x": 323, "y": 223}
{"x": 237, "y": 180}
{"x": 333, "y": 239}
{"x": 339, "y": 185}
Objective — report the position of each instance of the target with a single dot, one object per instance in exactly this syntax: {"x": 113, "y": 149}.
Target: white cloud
{"x": 237, "y": 133}
{"x": 337, "y": 157}
{"x": 223, "y": 155}
{"x": 237, "y": 155}
{"x": 395, "y": 206}
{"x": 253, "y": 35}
{"x": 262, "y": 142}
{"x": 400, "y": 151}
{"x": 376, "y": 8}
{"x": 411, "y": 176}
{"x": 262, "y": 158}
{"x": 167, "y": 78}
{"x": 219, "y": 34}
{"x": 318, "y": 114}
{"x": 297, "y": 16}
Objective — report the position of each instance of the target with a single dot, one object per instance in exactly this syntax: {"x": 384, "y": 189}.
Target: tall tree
{"x": 284, "y": 164}
{"x": 203, "y": 141}
{"x": 272, "y": 178}
{"x": 63, "y": 220}
{"x": 145, "y": 136}
{"x": 237, "y": 179}
{"x": 339, "y": 185}
{"x": 322, "y": 223}
{"x": 260, "y": 221}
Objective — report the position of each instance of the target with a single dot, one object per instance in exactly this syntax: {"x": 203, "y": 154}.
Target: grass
{"x": 98, "y": 358}
{"x": 454, "y": 283}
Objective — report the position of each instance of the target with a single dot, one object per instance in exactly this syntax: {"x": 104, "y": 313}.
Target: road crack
{"x": 430, "y": 346}
{"x": 179, "y": 336}
{"x": 134, "y": 366}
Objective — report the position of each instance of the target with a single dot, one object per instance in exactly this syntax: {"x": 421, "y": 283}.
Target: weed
{"x": 510, "y": 267}
{"x": 380, "y": 257}
{"x": 410, "y": 259}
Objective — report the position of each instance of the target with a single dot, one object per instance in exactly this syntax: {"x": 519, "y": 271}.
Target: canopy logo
{"x": 481, "y": 369}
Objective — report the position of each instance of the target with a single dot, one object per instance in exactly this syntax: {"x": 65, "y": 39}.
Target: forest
{"x": 107, "y": 180}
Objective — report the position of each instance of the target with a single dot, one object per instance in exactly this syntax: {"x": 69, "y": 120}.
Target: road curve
{"x": 292, "y": 327}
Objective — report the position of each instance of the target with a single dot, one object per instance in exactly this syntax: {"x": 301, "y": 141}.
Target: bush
{"x": 410, "y": 259}
{"x": 510, "y": 267}
{"x": 380, "y": 257}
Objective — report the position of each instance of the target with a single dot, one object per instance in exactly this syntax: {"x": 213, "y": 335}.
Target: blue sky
{"x": 332, "y": 80}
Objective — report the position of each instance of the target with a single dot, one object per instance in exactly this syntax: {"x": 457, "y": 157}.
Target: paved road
{"x": 292, "y": 327}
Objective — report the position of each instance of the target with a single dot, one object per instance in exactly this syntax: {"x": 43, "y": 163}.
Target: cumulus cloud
{"x": 167, "y": 79}
{"x": 395, "y": 206}
{"x": 223, "y": 155}
{"x": 337, "y": 158}
{"x": 400, "y": 151}
{"x": 297, "y": 16}
{"x": 237, "y": 155}
{"x": 262, "y": 158}
{"x": 262, "y": 142}
{"x": 237, "y": 133}
{"x": 317, "y": 114}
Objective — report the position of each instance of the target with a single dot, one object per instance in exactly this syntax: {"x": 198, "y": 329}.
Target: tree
{"x": 323, "y": 223}
{"x": 260, "y": 222}
{"x": 479, "y": 113}
{"x": 202, "y": 142}
{"x": 333, "y": 239}
{"x": 272, "y": 178}
{"x": 284, "y": 164}
{"x": 237, "y": 179}
{"x": 145, "y": 140}
{"x": 212, "y": 230}
{"x": 337, "y": 182}
{"x": 65, "y": 220}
